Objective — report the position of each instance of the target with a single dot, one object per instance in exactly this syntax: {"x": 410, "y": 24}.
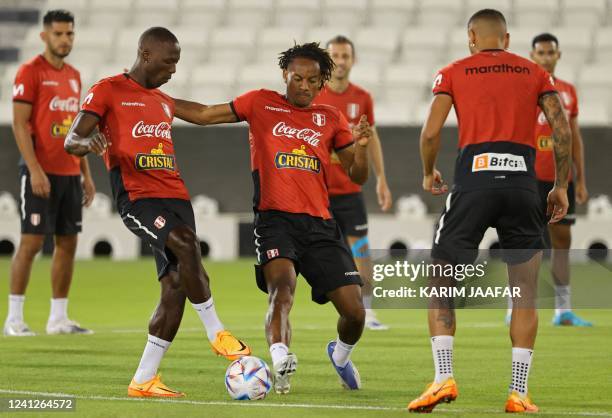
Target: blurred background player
{"x": 45, "y": 101}
{"x": 545, "y": 52}
{"x": 135, "y": 120}
{"x": 347, "y": 204}
{"x": 496, "y": 96}
{"x": 291, "y": 141}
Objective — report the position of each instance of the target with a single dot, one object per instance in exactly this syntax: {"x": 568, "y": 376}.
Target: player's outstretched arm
{"x": 78, "y": 140}
{"x": 355, "y": 159}
{"x": 201, "y": 114}
{"x": 557, "y": 202}
{"x": 430, "y": 143}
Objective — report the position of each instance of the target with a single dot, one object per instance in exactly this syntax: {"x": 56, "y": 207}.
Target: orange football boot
{"x": 230, "y": 347}
{"x": 517, "y": 403}
{"x": 433, "y": 395}
{"x": 154, "y": 388}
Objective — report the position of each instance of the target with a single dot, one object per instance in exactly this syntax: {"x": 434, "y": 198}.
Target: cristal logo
{"x": 161, "y": 130}
{"x": 70, "y": 104}
{"x": 307, "y": 135}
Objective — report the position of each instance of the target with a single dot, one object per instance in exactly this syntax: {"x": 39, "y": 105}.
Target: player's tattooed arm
{"x": 201, "y": 114}
{"x": 562, "y": 136}
{"x": 430, "y": 143}
{"x": 80, "y": 141}
{"x": 355, "y": 159}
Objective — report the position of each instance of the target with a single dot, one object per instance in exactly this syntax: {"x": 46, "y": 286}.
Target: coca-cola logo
{"x": 161, "y": 130}
{"x": 71, "y": 104}
{"x": 309, "y": 136}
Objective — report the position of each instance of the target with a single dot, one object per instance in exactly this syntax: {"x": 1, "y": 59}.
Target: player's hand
{"x": 89, "y": 191}
{"x": 362, "y": 132}
{"x": 582, "y": 194}
{"x": 434, "y": 184}
{"x": 557, "y": 204}
{"x": 98, "y": 144}
{"x": 385, "y": 200}
{"x": 39, "y": 181}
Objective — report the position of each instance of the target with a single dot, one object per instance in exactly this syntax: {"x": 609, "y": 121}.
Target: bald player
{"x": 134, "y": 119}
{"x": 496, "y": 96}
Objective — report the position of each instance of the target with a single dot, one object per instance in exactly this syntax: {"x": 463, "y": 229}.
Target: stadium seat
{"x": 423, "y": 46}
{"x": 293, "y": 13}
{"x": 575, "y": 43}
{"x": 206, "y": 14}
{"x": 521, "y": 37}
{"x": 595, "y": 114}
{"x": 407, "y": 83}
{"x": 368, "y": 76}
{"x": 232, "y": 45}
{"x": 566, "y": 73}
{"x": 273, "y": 41}
{"x": 583, "y": 13}
{"x": 458, "y": 44}
{"x": 155, "y": 12}
{"x": 392, "y": 113}
{"x": 377, "y": 45}
{"x": 603, "y": 46}
{"x": 422, "y": 110}
{"x": 252, "y": 14}
{"x": 344, "y": 12}
{"x": 109, "y": 70}
{"x": 472, "y": 6}
{"x": 194, "y": 44}
{"x": 126, "y": 48}
{"x": 108, "y": 14}
{"x": 6, "y": 111}
{"x": 441, "y": 13}
{"x": 393, "y": 13}
{"x": 529, "y": 13}
{"x": 595, "y": 82}
{"x": 322, "y": 34}
{"x": 212, "y": 83}
{"x": 260, "y": 76}
{"x": 91, "y": 48}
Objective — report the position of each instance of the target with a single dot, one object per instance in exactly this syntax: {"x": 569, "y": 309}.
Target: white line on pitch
{"x": 280, "y": 405}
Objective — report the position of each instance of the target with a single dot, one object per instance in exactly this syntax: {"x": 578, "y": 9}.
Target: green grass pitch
{"x": 571, "y": 373}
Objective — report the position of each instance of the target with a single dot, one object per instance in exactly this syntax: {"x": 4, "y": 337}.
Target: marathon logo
{"x": 544, "y": 143}
{"x": 500, "y": 68}
{"x": 155, "y": 160}
{"x": 298, "y": 159}
{"x": 491, "y": 161}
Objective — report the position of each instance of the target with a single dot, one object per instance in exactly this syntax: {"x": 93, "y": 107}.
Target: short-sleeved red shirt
{"x": 290, "y": 151}
{"x": 352, "y": 103}
{"x": 545, "y": 161}
{"x": 495, "y": 94}
{"x": 138, "y": 123}
{"x": 54, "y": 95}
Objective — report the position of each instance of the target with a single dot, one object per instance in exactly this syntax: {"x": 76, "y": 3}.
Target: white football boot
{"x": 17, "y": 329}
{"x": 66, "y": 326}
{"x": 282, "y": 370}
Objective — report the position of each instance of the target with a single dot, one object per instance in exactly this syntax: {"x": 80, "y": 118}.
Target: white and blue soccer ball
{"x": 248, "y": 379}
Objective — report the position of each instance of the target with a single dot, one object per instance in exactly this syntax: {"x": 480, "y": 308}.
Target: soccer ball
{"x": 248, "y": 379}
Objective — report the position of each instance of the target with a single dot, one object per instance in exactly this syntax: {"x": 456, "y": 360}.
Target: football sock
{"x": 442, "y": 349}
{"x": 278, "y": 351}
{"x": 367, "y": 302}
{"x": 342, "y": 353}
{"x": 59, "y": 309}
{"x": 15, "y": 307}
{"x": 208, "y": 315}
{"x": 151, "y": 357}
{"x": 521, "y": 362}
{"x": 562, "y": 299}
{"x": 509, "y": 310}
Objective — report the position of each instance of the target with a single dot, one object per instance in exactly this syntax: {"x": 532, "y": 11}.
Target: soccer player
{"x": 496, "y": 95}
{"x": 135, "y": 138}
{"x": 545, "y": 52}
{"x": 291, "y": 141}
{"x": 45, "y": 101}
{"x": 346, "y": 200}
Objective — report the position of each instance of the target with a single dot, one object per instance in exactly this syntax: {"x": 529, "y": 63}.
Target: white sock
{"x": 59, "y": 309}
{"x": 278, "y": 351}
{"x": 509, "y": 310}
{"x": 15, "y": 308}
{"x": 563, "y": 296}
{"x": 442, "y": 349}
{"x": 367, "y": 302}
{"x": 521, "y": 362}
{"x": 151, "y": 357}
{"x": 342, "y": 353}
{"x": 208, "y": 315}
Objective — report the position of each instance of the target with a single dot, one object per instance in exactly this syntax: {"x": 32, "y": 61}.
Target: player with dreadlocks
{"x": 291, "y": 142}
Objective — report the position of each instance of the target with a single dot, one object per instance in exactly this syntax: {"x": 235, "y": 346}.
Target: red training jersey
{"x": 545, "y": 161}
{"x": 495, "y": 94}
{"x": 352, "y": 103}
{"x": 54, "y": 95}
{"x": 291, "y": 150}
{"x": 138, "y": 123}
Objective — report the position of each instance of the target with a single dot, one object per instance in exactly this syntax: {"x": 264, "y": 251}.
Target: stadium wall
{"x": 215, "y": 161}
